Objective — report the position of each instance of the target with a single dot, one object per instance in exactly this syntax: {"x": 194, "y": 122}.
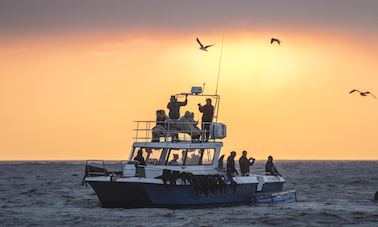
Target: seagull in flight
{"x": 202, "y": 47}
{"x": 362, "y": 93}
{"x": 272, "y": 40}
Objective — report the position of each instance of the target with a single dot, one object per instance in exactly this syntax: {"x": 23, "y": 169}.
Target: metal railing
{"x": 101, "y": 168}
{"x": 171, "y": 130}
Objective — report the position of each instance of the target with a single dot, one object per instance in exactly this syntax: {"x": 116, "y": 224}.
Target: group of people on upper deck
{"x": 174, "y": 106}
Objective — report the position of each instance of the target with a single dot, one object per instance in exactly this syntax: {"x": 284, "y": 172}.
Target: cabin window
{"x": 136, "y": 150}
{"x": 176, "y": 157}
{"x": 153, "y": 155}
{"x": 193, "y": 157}
{"x": 199, "y": 157}
{"x": 208, "y": 157}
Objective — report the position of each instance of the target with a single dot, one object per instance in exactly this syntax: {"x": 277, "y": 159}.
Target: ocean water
{"x": 330, "y": 193}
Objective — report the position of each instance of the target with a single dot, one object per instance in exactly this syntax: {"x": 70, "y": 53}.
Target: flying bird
{"x": 362, "y": 93}
{"x": 202, "y": 47}
{"x": 272, "y": 40}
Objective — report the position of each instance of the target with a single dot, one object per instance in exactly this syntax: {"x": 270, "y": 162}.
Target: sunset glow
{"x": 75, "y": 96}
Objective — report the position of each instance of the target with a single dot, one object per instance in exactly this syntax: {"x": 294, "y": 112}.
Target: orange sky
{"x": 75, "y": 96}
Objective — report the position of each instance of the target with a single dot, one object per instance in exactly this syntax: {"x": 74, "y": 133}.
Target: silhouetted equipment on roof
{"x": 196, "y": 90}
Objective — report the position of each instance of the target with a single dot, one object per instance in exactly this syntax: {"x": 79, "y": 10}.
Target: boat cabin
{"x": 198, "y": 158}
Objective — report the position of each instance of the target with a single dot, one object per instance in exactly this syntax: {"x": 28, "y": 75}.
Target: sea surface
{"x": 330, "y": 193}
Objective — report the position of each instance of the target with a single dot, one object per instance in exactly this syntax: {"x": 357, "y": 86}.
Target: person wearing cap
{"x": 174, "y": 107}
{"x": 207, "y": 116}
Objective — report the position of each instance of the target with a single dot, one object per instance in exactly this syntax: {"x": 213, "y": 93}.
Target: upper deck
{"x": 179, "y": 145}
{"x": 176, "y": 127}
{"x": 181, "y": 130}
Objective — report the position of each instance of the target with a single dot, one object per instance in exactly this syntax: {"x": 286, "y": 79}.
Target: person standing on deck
{"x": 245, "y": 164}
{"x": 207, "y": 117}
{"x": 231, "y": 170}
{"x": 174, "y": 107}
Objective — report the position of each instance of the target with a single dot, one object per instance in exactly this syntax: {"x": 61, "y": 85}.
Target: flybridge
{"x": 185, "y": 128}
{"x": 176, "y": 131}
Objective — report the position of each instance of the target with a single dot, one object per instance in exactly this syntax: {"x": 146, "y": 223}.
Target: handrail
{"x": 173, "y": 130}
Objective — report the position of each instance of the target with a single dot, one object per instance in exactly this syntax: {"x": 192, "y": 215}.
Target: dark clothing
{"x": 270, "y": 168}
{"x": 174, "y": 108}
{"x": 140, "y": 159}
{"x": 220, "y": 162}
{"x": 231, "y": 165}
{"x": 207, "y": 117}
{"x": 205, "y": 127}
{"x": 231, "y": 170}
{"x": 244, "y": 165}
{"x": 208, "y": 112}
{"x": 160, "y": 120}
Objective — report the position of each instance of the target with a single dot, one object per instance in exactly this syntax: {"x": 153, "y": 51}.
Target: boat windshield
{"x": 176, "y": 157}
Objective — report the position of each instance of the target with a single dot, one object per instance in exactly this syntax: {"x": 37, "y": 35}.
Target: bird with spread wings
{"x": 202, "y": 47}
{"x": 272, "y": 40}
{"x": 362, "y": 93}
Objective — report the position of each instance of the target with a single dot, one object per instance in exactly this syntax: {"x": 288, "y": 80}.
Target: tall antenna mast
{"x": 220, "y": 62}
{"x": 217, "y": 101}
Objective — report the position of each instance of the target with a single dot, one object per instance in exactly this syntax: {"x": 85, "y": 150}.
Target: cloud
{"x": 25, "y": 17}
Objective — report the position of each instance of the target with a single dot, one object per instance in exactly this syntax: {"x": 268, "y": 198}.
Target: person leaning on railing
{"x": 270, "y": 168}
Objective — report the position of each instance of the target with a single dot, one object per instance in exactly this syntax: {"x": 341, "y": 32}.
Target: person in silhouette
{"x": 139, "y": 158}
{"x": 207, "y": 117}
{"x": 161, "y": 116}
{"x": 231, "y": 170}
{"x": 220, "y": 163}
{"x": 245, "y": 164}
{"x": 270, "y": 168}
{"x": 174, "y": 107}
{"x": 174, "y": 161}
{"x": 231, "y": 164}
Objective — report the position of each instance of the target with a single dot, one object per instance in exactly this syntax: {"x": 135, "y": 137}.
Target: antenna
{"x": 220, "y": 61}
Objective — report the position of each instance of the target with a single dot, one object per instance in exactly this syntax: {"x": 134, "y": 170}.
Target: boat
{"x": 183, "y": 168}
